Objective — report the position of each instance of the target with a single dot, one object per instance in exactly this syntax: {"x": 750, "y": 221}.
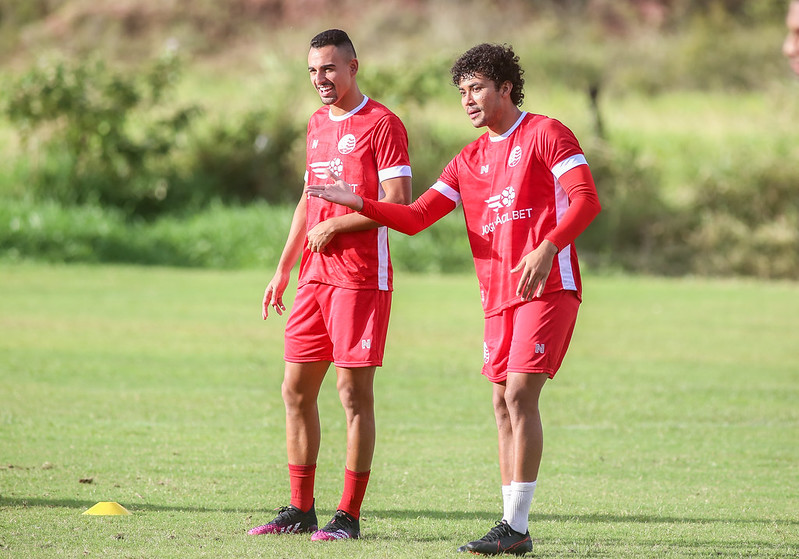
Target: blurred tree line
{"x": 225, "y": 19}
{"x": 108, "y": 135}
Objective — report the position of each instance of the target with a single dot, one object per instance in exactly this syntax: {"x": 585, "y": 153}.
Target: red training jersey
{"x": 513, "y": 199}
{"x": 363, "y": 147}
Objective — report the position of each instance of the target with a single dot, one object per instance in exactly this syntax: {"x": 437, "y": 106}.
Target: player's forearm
{"x": 583, "y": 208}
{"x": 357, "y": 222}
{"x": 577, "y": 218}
{"x": 351, "y": 223}
{"x": 295, "y": 241}
{"x": 421, "y": 214}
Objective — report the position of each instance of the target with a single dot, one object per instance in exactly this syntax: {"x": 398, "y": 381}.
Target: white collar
{"x": 345, "y": 116}
{"x": 510, "y": 130}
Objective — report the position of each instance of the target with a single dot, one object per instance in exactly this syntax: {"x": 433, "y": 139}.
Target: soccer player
{"x": 790, "y": 48}
{"x": 527, "y": 193}
{"x": 341, "y": 309}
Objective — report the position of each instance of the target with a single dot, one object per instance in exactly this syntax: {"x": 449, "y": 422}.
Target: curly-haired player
{"x": 527, "y": 193}
{"x": 496, "y": 64}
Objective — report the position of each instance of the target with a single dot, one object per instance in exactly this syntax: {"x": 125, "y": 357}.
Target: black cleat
{"x": 342, "y": 527}
{"x": 289, "y": 520}
{"x": 500, "y": 539}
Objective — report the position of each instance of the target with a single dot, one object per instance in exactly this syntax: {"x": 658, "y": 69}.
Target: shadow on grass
{"x": 488, "y": 517}
{"x": 599, "y": 518}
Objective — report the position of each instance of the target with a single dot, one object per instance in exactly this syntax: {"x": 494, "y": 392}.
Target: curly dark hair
{"x": 335, "y": 37}
{"x": 498, "y": 63}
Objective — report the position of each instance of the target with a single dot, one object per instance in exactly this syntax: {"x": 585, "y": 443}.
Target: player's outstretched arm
{"x": 426, "y": 210}
{"x": 397, "y": 190}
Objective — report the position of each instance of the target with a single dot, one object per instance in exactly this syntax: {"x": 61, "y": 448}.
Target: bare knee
{"x": 301, "y": 384}
{"x": 356, "y": 390}
{"x": 293, "y": 396}
{"x": 522, "y": 394}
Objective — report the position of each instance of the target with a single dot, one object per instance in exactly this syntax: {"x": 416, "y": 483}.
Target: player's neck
{"x": 505, "y": 121}
{"x": 350, "y": 101}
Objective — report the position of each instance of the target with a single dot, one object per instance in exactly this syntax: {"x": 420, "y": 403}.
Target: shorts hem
{"x": 532, "y": 371}
{"x": 289, "y": 359}
{"x": 359, "y": 364}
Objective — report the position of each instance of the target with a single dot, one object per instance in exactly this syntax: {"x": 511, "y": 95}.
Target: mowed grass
{"x": 672, "y": 429}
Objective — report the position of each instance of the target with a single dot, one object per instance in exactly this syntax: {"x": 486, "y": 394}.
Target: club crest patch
{"x": 346, "y": 144}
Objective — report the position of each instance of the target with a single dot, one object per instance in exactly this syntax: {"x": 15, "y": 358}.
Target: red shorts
{"x": 531, "y": 337}
{"x": 345, "y": 326}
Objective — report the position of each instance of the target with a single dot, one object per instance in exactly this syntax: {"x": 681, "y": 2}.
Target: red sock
{"x": 354, "y": 490}
{"x": 301, "y": 480}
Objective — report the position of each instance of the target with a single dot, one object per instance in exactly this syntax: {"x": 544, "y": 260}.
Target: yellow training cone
{"x": 106, "y": 508}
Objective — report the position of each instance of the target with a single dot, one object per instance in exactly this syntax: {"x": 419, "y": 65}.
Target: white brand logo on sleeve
{"x": 346, "y": 144}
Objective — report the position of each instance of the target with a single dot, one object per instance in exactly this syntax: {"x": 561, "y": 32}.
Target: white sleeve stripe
{"x": 568, "y": 164}
{"x": 447, "y": 191}
{"x": 394, "y": 172}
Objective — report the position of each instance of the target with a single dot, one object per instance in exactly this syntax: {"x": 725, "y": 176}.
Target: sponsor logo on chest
{"x": 502, "y": 203}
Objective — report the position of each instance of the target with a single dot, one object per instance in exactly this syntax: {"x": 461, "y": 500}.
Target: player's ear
{"x": 506, "y": 88}
{"x": 353, "y": 66}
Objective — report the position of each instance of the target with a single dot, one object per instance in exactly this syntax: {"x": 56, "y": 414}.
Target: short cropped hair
{"x": 496, "y": 62}
{"x": 335, "y": 37}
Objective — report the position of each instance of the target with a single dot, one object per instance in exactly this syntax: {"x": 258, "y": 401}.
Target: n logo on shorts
{"x": 366, "y": 344}
{"x": 539, "y": 348}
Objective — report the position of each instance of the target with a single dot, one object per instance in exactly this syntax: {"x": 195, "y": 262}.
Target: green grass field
{"x": 672, "y": 429}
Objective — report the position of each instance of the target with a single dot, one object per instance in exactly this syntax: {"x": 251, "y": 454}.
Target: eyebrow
{"x": 331, "y": 65}
{"x": 470, "y": 82}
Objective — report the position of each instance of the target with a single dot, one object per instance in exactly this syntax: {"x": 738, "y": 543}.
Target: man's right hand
{"x": 273, "y": 296}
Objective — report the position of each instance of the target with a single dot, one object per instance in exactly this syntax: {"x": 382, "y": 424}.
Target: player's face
{"x": 791, "y": 46}
{"x": 482, "y": 100}
{"x": 332, "y": 72}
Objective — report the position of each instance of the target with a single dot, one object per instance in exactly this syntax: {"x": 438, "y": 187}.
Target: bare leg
{"x": 301, "y": 384}
{"x": 522, "y": 392}
{"x": 504, "y": 434}
{"x": 356, "y": 392}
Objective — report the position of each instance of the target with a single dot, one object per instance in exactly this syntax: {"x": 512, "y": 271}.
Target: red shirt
{"x": 512, "y": 195}
{"x": 364, "y": 147}
{"x": 512, "y": 199}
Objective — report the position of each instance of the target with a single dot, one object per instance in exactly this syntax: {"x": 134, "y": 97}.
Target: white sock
{"x": 505, "y": 502}
{"x": 518, "y": 509}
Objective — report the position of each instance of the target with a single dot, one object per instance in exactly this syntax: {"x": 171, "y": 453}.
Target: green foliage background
{"x": 173, "y": 133}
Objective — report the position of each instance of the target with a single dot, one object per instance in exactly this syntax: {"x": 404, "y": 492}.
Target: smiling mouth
{"x": 325, "y": 90}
